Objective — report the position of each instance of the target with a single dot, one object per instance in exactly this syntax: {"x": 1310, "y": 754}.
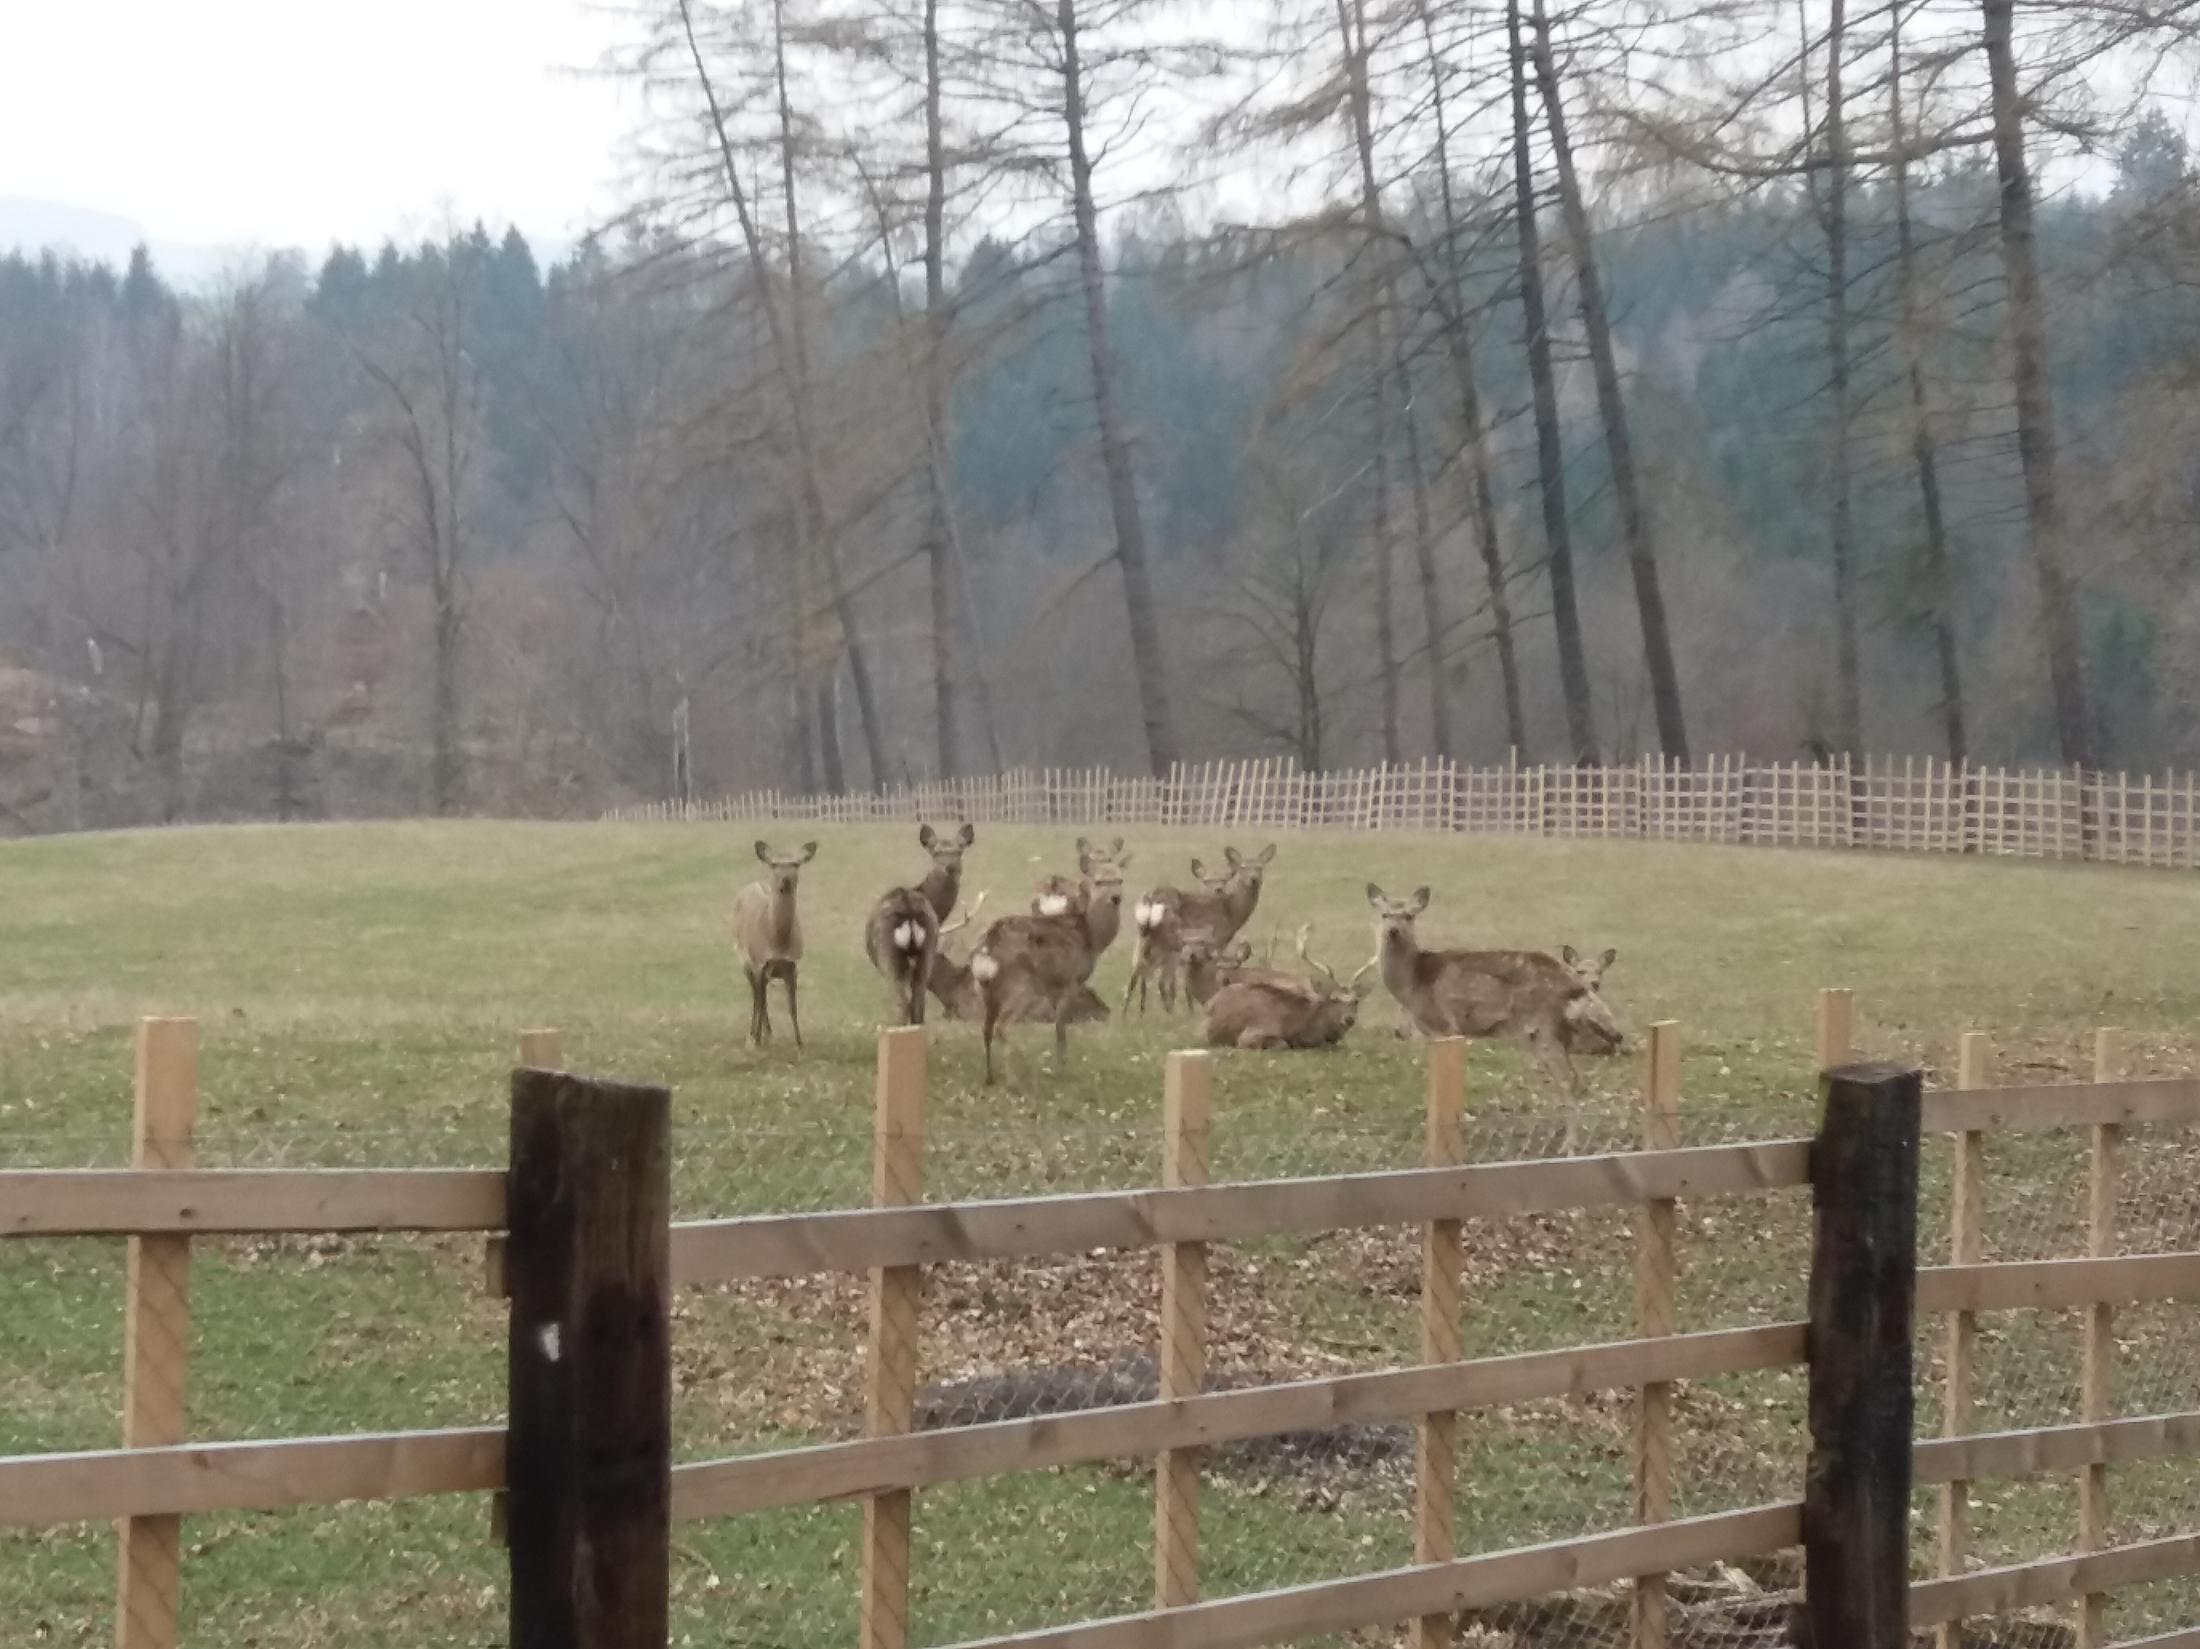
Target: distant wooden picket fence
{"x": 1915, "y": 803}
{"x": 583, "y": 1247}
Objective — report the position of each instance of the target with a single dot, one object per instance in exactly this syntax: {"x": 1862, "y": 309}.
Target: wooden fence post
{"x": 540, "y": 1050}
{"x": 1863, "y": 1290}
{"x": 589, "y": 1457}
{"x": 2097, "y": 1379}
{"x": 1436, "y": 1448}
{"x": 1965, "y": 1205}
{"x": 1654, "y": 1283}
{"x": 156, "y": 1333}
{"x": 1185, "y": 1160}
{"x": 1836, "y": 1026}
{"x": 890, "y": 1373}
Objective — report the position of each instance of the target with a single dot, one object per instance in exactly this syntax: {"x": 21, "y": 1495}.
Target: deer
{"x": 942, "y": 884}
{"x": 1553, "y": 1004}
{"x": 903, "y": 934}
{"x": 1044, "y": 960}
{"x": 1166, "y": 917}
{"x": 1095, "y": 898}
{"x": 1209, "y": 967}
{"x": 959, "y": 995}
{"x": 1265, "y": 1009}
{"x": 768, "y": 933}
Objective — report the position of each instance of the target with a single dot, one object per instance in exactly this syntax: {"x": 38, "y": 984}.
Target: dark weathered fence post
{"x": 589, "y": 1461}
{"x": 1863, "y": 1286}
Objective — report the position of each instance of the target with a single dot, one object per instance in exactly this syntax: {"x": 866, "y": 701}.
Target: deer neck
{"x": 941, "y": 887}
{"x": 1102, "y": 918}
{"x": 1239, "y": 899}
{"x": 1401, "y": 969}
{"x": 783, "y": 924}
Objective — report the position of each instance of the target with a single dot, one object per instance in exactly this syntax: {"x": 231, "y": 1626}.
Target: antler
{"x": 970, "y": 915}
{"x": 1353, "y": 984}
{"x": 1306, "y": 933}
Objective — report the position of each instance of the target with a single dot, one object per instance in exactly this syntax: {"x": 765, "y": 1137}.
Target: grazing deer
{"x": 768, "y": 934}
{"x": 1553, "y": 1004}
{"x": 1095, "y": 898}
{"x": 1166, "y": 917}
{"x": 1028, "y": 963}
{"x": 942, "y": 884}
{"x": 1264, "y": 1009}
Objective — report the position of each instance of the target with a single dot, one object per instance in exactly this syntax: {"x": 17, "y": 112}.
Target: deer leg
{"x": 1136, "y": 984}
{"x": 1168, "y": 983}
{"x": 1061, "y": 1029}
{"x": 992, "y": 1022}
{"x": 760, "y": 1016}
{"x": 793, "y": 1017}
{"x": 1252, "y": 1039}
{"x": 920, "y": 984}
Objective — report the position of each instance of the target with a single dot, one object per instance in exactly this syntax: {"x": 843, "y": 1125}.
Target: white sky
{"x": 263, "y": 123}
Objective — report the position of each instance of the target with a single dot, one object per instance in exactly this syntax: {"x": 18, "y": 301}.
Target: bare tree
{"x": 1619, "y": 446}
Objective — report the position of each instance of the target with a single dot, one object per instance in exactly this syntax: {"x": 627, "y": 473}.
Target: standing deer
{"x": 1265, "y": 1009}
{"x": 942, "y": 884}
{"x": 901, "y": 939}
{"x": 1166, "y": 917}
{"x": 1028, "y": 963}
{"x": 1553, "y": 1004}
{"x": 768, "y": 934}
{"x": 1095, "y": 898}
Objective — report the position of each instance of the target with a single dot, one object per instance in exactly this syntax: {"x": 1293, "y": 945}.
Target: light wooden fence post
{"x": 1965, "y": 1206}
{"x": 588, "y": 1460}
{"x": 1654, "y": 1285}
{"x": 156, "y": 1333}
{"x": 890, "y": 1377}
{"x": 1436, "y": 1447}
{"x": 1863, "y": 1296}
{"x": 1836, "y": 1026}
{"x": 2098, "y": 1375}
{"x": 1185, "y": 1160}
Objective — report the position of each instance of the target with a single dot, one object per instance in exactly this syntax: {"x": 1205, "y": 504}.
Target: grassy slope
{"x": 360, "y": 988}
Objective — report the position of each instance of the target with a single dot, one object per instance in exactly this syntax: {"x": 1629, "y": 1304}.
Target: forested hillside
{"x": 1560, "y": 400}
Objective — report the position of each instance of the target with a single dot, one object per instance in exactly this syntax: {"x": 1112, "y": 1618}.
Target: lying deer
{"x": 1166, "y": 917}
{"x": 768, "y": 934}
{"x": 1265, "y": 1009}
{"x": 1553, "y": 1004}
{"x": 903, "y": 934}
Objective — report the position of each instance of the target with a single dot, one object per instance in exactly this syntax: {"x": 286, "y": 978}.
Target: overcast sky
{"x": 265, "y": 123}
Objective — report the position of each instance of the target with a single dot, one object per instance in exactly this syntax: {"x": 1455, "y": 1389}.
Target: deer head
{"x": 1246, "y": 873}
{"x": 1394, "y": 917}
{"x": 784, "y": 870}
{"x": 1591, "y": 1027}
{"x": 947, "y": 852}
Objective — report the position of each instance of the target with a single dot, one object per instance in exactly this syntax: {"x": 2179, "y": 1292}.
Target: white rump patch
{"x": 1150, "y": 914}
{"x": 1053, "y": 904}
{"x": 909, "y": 936}
{"x": 984, "y": 968}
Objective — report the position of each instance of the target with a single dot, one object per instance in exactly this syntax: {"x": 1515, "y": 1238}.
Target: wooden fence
{"x": 1909, "y": 803}
{"x": 583, "y": 1247}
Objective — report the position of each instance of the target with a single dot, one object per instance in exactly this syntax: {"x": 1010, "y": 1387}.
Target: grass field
{"x": 360, "y": 989}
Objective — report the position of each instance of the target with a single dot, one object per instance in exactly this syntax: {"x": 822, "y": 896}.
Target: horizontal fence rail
{"x": 1904, "y": 803}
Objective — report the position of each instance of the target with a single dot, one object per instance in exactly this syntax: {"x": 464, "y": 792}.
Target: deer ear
{"x": 1230, "y": 857}
{"x": 764, "y": 851}
{"x": 1123, "y": 861}
{"x": 1610, "y": 957}
{"x": 1266, "y": 854}
{"x": 969, "y": 834}
{"x": 1420, "y": 900}
{"x": 1567, "y": 956}
{"x": 1117, "y": 849}
{"x": 926, "y": 836}
{"x": 1199, "y": 870}
{"x": 1375, "y": 896}
{"x": 1083, "y": 847}
{"x": 809, "y": 851}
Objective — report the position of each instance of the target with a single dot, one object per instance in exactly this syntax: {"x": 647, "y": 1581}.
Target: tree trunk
{"x": 937, "y": 560}
{"x": 1573, "y": 660}
{"x": 1459, "y": 345}
{"x": 1848, "y": 727}
{"x": 1424, "y": 556}
{"x": 835, "y": 771}
{"x": 2035, "y": 402}
{"x": 1115, "y": 456}
{"x": 172, "y": 694}
{"x": 1352, "y": 46}
{"x": 823, "y": 532}
{"x": 1657, "y": 643}
{"x": 443, "y": 774}
{"x": 1939, "y": 571}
